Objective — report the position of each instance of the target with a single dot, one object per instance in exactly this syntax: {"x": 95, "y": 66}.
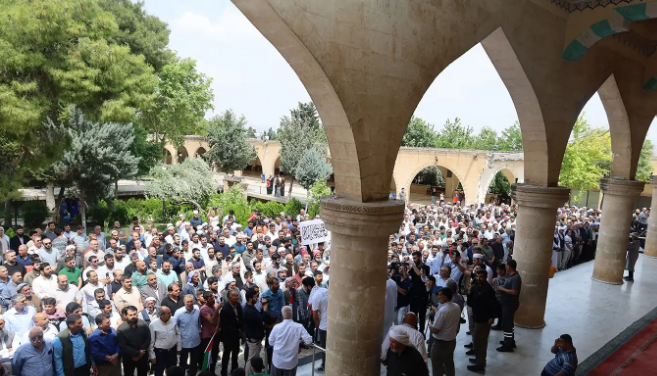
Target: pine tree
{"x": 312, "y": 168}
{"x": 229, "y": 148}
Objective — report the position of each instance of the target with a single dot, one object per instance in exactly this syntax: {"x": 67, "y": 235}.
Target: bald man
{"x": 140, "y": 277}
{"x": 417, "y": 339}
{"x": 284, "y": 338}
{"x": 41, "y": 321}
{"x": 166, "y": 343}
{"x": 34, "y": 358}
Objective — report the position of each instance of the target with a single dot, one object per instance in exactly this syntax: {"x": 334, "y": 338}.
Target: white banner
{"x": 313, "y": 232}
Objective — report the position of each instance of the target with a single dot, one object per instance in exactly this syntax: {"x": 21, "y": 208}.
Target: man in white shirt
{"x": 66, "y": 293}
{"x": 93, "y": 284}
{"x": 319, "y": 304}
{"x": 45, "y": 284}
{"x": 417, "y": 339}
{"x": 444, "y": 329}
{"x": 40, "y": 319}
{"x": 284, "y": 338}
{"x": 19, "y": 318}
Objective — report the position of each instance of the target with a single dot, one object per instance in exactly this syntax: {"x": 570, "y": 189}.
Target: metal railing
{"x": 316, "y": 347}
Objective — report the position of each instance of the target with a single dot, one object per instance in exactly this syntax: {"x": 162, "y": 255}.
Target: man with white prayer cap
{"x": 402, "y": 357}
{"x": 415, "y": 337}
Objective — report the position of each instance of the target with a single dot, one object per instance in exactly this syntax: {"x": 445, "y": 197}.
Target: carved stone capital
{"x": 537, "y": 196}
{"x": 369, "y": 219}
{"x": 621, "y": 187}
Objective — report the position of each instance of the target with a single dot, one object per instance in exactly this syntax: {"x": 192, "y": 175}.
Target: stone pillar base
{"x": 619, "y": 196}
{"x": 533, "y": 248}
{"x": 359, "y": 242}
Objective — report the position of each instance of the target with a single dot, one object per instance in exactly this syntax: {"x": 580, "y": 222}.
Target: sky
{"x": 252, "y": 78}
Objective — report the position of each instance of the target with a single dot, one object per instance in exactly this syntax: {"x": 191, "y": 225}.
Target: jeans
{"x": 322, "y": 344}
{"x": 164, "y": 359}
{"x": 442, "y": 357}
{"x": 231, "y": 351}
{"x": 254, "y": 347}
{"x": 192, "y": 353}
{"x": 278, "y": 192}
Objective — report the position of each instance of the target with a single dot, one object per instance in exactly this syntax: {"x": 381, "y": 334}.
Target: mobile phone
{"x": 106, "y": 275}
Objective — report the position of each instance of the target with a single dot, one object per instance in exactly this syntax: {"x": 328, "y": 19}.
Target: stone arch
{"x": 619, "y": 128}
{"x": 530, "y": 114}
{"x": 407, "y": 180}
{"x": 170, "y": 150}
{"x": 168, "y": 158}
{"x": 619, "y": 21}
{"x": 489, "y": 174}
{"x": 199, "y": 152}
{"x": 254, "y": 168}
{"x": 182, "y": 154}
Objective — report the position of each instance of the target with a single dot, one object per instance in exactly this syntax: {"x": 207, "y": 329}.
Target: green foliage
{"x": 299, "y": 132}
{"x": 98, "y": 156}
{"x": 268, "y": 209}
{"x": 313, "y": 167}
{"x": 293, "y": 207}
{"x": 189, "y": 182}
{"x": 148, "y": 210}
{"x": 34, "y": 213}
{"x": 183, "y": 96}
{"x": 227, "y": 138}
{"x": 317, "y": 191}
{"x": 486, "y": 139}
{"x": 419, "y": 134}
{"x": 455, "y": 135}
{"x": 271, "y": 135}
{"x": 511, "y": 139}
{"x": 644, "y": 169}
{"x": 430, "y": 176}
{"x": 229, "y": 197}
{"x": 581, "y": 167}
{"x": 145, "y": 34}
{"x": 150, "y": 153}
{"x": 500, "y": 184}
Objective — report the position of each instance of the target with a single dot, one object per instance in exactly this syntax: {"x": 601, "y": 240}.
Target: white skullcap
{"x": 400, "y": 335}
{"x": 195, "y": 212}
{"x": 228, "y": 280}
{"x": 478, "y": 256}
{"x": 150, "y": 299}
{"x": 170, "y": 225}
{"x": 70, "y": 246}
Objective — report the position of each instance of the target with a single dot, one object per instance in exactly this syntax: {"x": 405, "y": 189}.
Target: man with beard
{"x": 45, "y": 284}
{"x": 248, "y": 255}
{"x": 209, "y": 321}
{"x": 210, "y": 261}
{"x": 11, "y": 289}
{"x": 133, "y": 338}
{"x": 139, "y": 278}
{"x": 76, "y": 360}
{"x": 19, "y": 318}
{"x": 165, "y": 342}
{"x": 154, "y": 289}
{"x": 165, "y": 276}
{"x": 128, "y": 295}
{"x": 93, "y": 284}
{"x": 12, "y": 265}
{"x": 419, "y": 296}
{"x": 19, "y": 239}
{"x": 254, "y": 325}
{"x": 93, "y": 307}
{"x": 402, "y": 358}
{"x": 483, "y": 302}
{"x": 103, "y": 345}
{"x": 117, "y": 283}
{"x": 120, "y": 261}
{"x": 72, "y": 272}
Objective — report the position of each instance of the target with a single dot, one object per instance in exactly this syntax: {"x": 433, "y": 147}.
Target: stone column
{"x": 359, "y": 239}
{"x": 619, "y": 197}
{"x": 651, "y": 239}
{"x": 537, "y": 209}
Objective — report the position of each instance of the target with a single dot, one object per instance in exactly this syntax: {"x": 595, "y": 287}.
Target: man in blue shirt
{"x": 104, "y": 348}
{"x": 565, "y": 358}
{"x": 71, "y": 343}
{"x": 34, "y": 358}
{"x": 188, "y": 319}
{"x": 274, "y": 296}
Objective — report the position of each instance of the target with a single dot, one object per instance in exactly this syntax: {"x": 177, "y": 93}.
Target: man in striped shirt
{"x": 565, "y": 358}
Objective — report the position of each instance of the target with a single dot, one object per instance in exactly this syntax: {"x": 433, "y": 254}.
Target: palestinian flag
{"x": 207, "y": 355}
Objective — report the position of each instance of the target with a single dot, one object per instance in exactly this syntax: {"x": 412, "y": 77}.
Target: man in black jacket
{"x": 231, "y": 331}
{"x": 419, "y": 296}
{"x": 484, "y": 306}
{"x": 19, "y": 239}
{"x": 254, "y": 325}
{"x": 133, "y": 338}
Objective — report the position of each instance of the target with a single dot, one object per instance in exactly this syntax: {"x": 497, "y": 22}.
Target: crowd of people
{"x": 141, "y": 299}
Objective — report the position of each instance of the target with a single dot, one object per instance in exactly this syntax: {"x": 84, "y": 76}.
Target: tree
{"x": 146, "y": 35}
{"x": 190, "y": 182}
{"x": 150, "y": 152}
{"x": 500, "y": 184}
{"x": 60, "y": 53}
{"x": 183, "y": 96}
{"x": 454, "y": 135}
{"x": 419, "y": 134}
{"x": 486, "y": 139}
{"x": 251, "y": 132}
{"x": 271, "y": 135}
{"x": 313, "y": 168}
{"x": 298, "y": 133}
{"x": 511, "y": 139}
{"x": 644, "y": 169}
{"x": 306, "y": 113}
{"x": 588, "y": 147}
{"x": 98, "y": 156}
{"x": 317, "y": 191}
{"x": 229, "y": 148}
{"x": 430, "y": 176}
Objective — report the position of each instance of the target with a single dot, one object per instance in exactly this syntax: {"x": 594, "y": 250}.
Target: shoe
{"x": 470, "y": 352}
{"x": 496, "y": 327}
{"x": 514, "y": 344}
{"x": 469, "y": 345}
{"x": 473, "y": 360}
{"x": 481, "y": 370}
{"x": 320, "y": 369}
{"x": 505, "y": 349}
{"x": 468, "y": 333}
{"x": 628, "y": 279}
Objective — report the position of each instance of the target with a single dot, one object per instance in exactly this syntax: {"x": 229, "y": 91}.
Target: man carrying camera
{"x": 418, "y": 272}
